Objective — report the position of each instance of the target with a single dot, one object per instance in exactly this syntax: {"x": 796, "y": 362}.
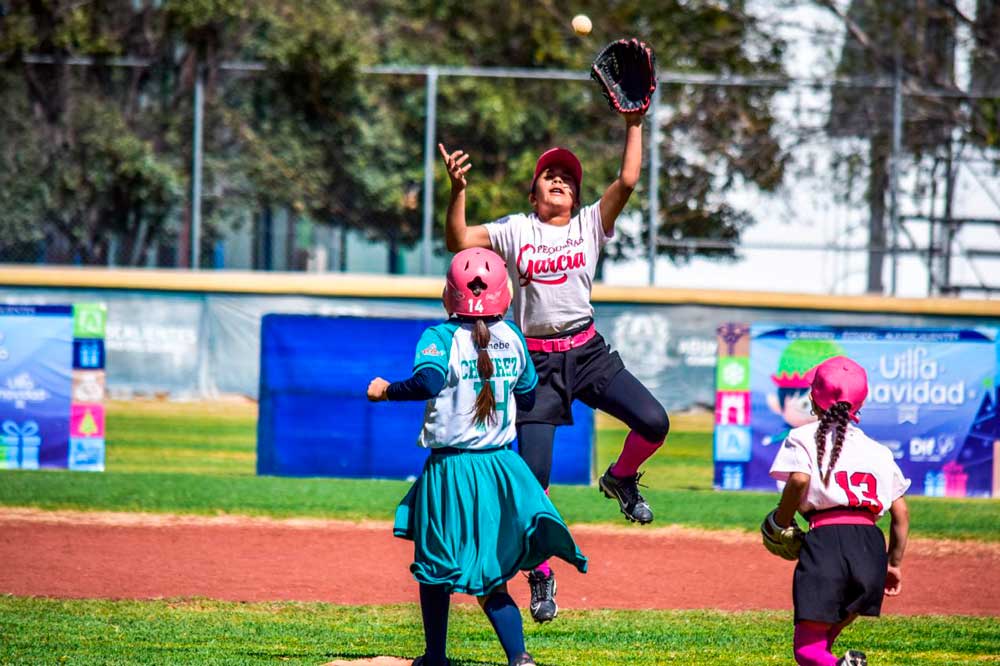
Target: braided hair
{"x": 486, "y": 402}
{"x": 837, "y": 416}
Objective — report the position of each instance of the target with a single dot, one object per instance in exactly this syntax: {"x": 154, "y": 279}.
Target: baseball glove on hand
{"x": 626, "y": 72}
{"x": 785, "y": 542}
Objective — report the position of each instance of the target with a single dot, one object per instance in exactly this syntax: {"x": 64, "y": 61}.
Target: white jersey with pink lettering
{"x": 865, "y": 475}
{"x": 552, "y": 268}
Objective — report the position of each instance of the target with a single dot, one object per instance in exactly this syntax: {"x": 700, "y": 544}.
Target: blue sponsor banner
{"x": 36, "y": 362}
{"x": 315, "y": 419}
{"x": 933, "y": 400}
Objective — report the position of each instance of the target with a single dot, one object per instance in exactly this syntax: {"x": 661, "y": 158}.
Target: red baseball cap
{"x": 839, "y": 379}
{"x": 559, "y": 157}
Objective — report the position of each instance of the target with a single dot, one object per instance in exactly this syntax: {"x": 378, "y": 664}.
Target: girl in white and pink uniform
{"x": 842, "y": 481}
{"x": 551, "y": 257}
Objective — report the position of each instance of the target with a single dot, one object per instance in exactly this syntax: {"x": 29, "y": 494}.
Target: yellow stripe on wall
{"x": 385, "y": 286}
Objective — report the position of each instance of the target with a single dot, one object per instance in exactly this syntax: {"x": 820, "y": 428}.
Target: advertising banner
{"x": 52, "y": 386}
{"x": 932, "y": 400}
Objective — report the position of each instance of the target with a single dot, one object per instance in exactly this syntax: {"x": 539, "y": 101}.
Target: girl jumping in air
{"x": 842, "y": 482}
{"x": 476, "y": 515}
{"x": 551, "y": 255}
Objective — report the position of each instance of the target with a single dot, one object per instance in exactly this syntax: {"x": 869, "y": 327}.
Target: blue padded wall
{"x": 314, "y": 418}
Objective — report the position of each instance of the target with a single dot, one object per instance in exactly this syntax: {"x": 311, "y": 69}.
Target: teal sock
{"x": 506, "y": 621}
{"x": 434, "y": 602}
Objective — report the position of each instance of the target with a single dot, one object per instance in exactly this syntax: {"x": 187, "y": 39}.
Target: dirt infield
{"x": 142, "y": 556}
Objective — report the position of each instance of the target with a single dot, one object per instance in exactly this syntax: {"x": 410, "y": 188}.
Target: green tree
{"x": 917, "y": 38}
{"x": 107, "y": 151}
{"x": 912, "y": 39}
{"x": 726, "y": 133}
{"x": 83, "y": 143}
{"x": 104, "y": 151}
{"x": 985, "y": 112}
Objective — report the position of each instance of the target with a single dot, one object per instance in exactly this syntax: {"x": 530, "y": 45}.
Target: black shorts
{"x": 841, "y": 571}
{"x": 578, "y": 374}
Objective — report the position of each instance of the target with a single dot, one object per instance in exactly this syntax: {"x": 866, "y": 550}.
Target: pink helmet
{"x": 839, "y": 379}
{"x": 476, "y": 284}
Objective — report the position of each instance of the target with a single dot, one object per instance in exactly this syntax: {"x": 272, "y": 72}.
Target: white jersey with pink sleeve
{"x": 865, "y": 475}
{"x": 552, "y": 268}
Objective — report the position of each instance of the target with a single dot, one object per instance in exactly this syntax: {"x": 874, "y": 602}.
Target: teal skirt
{"x": 476, "y": 518}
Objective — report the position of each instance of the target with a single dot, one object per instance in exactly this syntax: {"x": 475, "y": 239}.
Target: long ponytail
{"x": 837, "y": 416}
{"x": 486, "y": 402}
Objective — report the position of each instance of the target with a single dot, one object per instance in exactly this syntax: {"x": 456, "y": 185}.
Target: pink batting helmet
{"x": 476, "y": 284}
{"x": 839, "y": 379}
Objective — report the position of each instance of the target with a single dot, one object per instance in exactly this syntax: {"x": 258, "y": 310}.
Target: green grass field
{"x": 199, "y": 458}
{"x": 42, "y": 631}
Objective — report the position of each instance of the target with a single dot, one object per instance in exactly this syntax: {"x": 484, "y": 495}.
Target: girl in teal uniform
{"x": 477, "y": 515}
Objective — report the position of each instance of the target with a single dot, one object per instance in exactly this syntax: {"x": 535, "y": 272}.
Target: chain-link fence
{"x": 799, "y": 210}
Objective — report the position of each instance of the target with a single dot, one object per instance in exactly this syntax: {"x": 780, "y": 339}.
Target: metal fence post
{"x": 430, "y": 123}
{"x": 199, "y": 104}
{"x": 897, "y": 140}
{"x": 654, "y": 181}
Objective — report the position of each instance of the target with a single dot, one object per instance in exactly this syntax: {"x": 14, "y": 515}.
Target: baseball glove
{"x": 785, "y": 542}
{"x": 626, "y": 72}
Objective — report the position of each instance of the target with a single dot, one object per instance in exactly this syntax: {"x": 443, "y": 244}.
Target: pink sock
{"x": 810, "y": 645}
{"x": 635, "y": 452}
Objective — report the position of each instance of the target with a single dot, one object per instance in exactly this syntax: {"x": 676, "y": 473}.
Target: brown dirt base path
{"x": 144, "y": 556}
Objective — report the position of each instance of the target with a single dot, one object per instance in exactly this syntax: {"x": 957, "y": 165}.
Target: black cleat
{"x": 626, "y": 491}
{"x": 543, "y": 598}
{"x": 524, "y": 660}
{"x": 853, "y": 658}
{"x": 419, "y": 661}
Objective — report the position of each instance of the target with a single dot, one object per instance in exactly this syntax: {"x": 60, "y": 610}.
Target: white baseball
{"x": 582, "y": 24}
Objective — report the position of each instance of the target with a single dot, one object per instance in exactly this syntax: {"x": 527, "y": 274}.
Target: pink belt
{"x": 844, "y": 517}
{"x": 560, "y": 344}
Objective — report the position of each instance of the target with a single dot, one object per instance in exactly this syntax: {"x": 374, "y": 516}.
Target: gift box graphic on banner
{"x": 20, "y": 445}
{"x": 933, "y": 401}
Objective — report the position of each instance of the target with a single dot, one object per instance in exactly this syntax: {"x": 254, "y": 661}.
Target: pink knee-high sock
{"x": 810, "y": 645}
{"x": 635, "y": 452}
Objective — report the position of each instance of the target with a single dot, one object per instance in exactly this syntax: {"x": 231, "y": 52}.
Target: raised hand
{"x": 456, "y": 165}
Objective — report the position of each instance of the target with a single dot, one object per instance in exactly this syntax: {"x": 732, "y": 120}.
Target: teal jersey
{"x": 449, "y": 419}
